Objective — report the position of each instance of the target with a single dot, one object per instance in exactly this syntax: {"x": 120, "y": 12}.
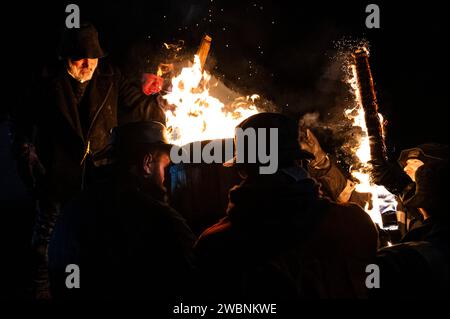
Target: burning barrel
{"x": 199, "y": 191}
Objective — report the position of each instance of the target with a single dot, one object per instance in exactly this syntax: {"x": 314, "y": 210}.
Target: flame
{"x": 174, "y": 47}
{"x": 196, "y": 114}
{"x": 164, "y": 68}
{"x": 382, "y": 199}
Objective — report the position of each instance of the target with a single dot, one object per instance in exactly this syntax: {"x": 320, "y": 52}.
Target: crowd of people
{"x": 95, "y": 155}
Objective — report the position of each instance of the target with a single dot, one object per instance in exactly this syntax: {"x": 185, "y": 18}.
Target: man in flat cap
{"x": 125, "y": 238}
{"x": 68, "y": 123}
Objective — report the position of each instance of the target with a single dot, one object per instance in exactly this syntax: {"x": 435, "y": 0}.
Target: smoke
{"x": 310, "y": 120}
{"x": 334, "y": 130}
{"x": 234, "y": 98}
{"x": 319, "y": 105}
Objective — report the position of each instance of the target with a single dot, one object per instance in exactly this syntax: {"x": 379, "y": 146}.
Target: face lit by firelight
{"x": 155, "y": 165}
{"x": 82, "y": 70}
{"x": 411, "y": 167}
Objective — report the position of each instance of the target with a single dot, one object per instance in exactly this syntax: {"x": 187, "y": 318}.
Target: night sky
{"x": 282, "y": 51}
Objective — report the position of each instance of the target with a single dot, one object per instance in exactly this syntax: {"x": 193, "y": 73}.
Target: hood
{"x": 276, "y": 206}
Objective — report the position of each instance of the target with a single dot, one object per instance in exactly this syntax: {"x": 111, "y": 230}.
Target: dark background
{"x": 284, "y": 51}
{"x": 291, "y": 46}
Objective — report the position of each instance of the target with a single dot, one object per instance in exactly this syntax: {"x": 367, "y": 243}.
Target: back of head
{"x": 275, "y": 138}
{"x": 427, "y": 153}
{"x": 431, "y": 189}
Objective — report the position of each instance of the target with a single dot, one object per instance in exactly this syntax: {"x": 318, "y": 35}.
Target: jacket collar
{"x": 98, "y": 91}
{"x": 277, "y": 196}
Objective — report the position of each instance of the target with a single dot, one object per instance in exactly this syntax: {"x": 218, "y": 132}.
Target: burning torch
{"x": 374, "y": 125}
{"x": 369, "y": 103}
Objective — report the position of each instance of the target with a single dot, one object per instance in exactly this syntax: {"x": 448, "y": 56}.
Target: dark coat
{"x": 51, "y": 119}
{"x": 127, "y": 242}
{"x": 280, "y": 240}
{"x": 68, "y": 147}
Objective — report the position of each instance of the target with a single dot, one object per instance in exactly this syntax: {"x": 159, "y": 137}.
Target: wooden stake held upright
{"x": 369, "y": 103}
{"x": 203, "y": 50}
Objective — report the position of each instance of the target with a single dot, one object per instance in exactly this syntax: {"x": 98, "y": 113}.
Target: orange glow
{"x": 198, "y": 115}
{"x": 380, "y": 195}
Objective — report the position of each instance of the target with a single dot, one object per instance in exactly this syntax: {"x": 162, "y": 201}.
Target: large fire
{"x": 382, "y": 200}
{"x": 197, "y": 115}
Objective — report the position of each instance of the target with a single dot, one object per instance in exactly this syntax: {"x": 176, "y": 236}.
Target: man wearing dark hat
{"x": 418, "y": 266}
{"x": 279, "y": 238}
{"x": 400, "y": 179}
{"x": 67, "y": 123}
{"x": 126, "y": 240}
{"x": 430, "y": 198}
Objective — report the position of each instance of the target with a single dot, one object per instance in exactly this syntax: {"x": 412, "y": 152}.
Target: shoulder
{"x": 147, "y": 206}
{"x": 221, "y": 228}
{"x": 216, "y": 235}
{"x": 350, "y": 214}
{"x": 162, "y": 214}
{"x": 350, "y": 225}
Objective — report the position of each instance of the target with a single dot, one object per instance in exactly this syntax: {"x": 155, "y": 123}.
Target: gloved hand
{"x": 311, "y": 145}
{"x": 151, "y": 83}
{"x": 379, "y": 170}
{"x": 391, "y": 176}
{"x": 345, "y": 195}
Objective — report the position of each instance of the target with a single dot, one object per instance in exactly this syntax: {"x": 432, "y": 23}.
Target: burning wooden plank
{"x": 203, "y": 50}
{"x": 369, "y": 103}
{"x": 364, "y": 114}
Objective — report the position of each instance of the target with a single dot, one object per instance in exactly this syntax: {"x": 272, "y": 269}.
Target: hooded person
{"x": 126, "y": 240}
{"x": 280, "y": 239}
{"x": 399, "y": 178}
{"x": 418, "y": 266}
{"x": 67, "y": 124}
{"x": 430, "y": 198}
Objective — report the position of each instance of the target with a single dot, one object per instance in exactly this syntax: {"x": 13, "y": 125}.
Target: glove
{"x": 311, "y": 145}
{"x": 391, "y": 176}
{"x": 379, "y": 170}
{"x": 151, "y": 83}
